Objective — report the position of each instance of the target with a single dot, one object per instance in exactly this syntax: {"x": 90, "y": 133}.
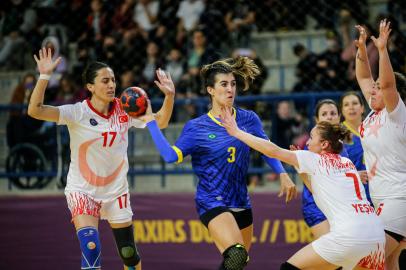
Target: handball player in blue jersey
{"x": 352, "y": 110}
{"x": 221, "y": 162}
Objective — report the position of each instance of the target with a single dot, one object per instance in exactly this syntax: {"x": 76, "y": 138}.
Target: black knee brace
{"x": 234, "y": 258}
{"x": 126, "y": 246}
{"x": 288, "y": 266}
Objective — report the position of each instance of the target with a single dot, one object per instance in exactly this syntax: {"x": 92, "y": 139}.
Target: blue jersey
{"x": 354, "y": 150}
{"x": 356, "y": 155}
{"x": 219, "y": 160}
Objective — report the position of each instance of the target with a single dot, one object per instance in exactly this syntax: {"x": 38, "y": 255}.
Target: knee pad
{"x": 288, "y": 266}
{"x": 402, "y": 259}
{"x": 126, "y": 246}
{"x": 235, "y": 257}
{"x": 90, "y": 246}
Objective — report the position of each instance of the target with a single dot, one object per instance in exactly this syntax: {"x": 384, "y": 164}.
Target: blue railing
{"x": 308, "y": 100}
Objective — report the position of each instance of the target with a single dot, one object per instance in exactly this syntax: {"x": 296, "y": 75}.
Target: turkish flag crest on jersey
{"x": 123, "y": 118}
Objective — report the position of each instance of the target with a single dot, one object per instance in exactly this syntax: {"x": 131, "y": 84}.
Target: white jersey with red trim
{"x": 98, "y": 143}
{"x": 383, "y": 137}
{"x": 340, "y": 195}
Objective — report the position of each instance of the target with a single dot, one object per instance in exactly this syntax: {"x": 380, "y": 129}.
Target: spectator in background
{"x": 83, "y": 57}
{"x": 240, "y": 22}
{"x": 69, "y": 92}
{"x": 167, "y": 22}
{"x": 123, "y": 16}
{"x": 396, "y": 45}
{"x": 212, "y": 18}
{"x": 398, "y": 9}
{"x": 287, "y": 124}
{"x": 331, "y": 68}
{"x": 358, "y": 10}
{"x": 98, "y": 24}
{"x": 11, "y": 41}
{"x": 132, "y": 51}
{"x": 198, "y": 55}
{"x": 306, "y": 69}
{"x": 75, "y": 18}
{"x": 349, "y": 52}
{"x": 146, "y": 15}
{"x": 267, "y": 21}
{"x": 153, "y": 61}
{"x": 110, "y": 52}
{"x": 323, "y": 11}
{"x": 175, "y": 65}
{"x": 188, "y": 14}
{"x": 23, "y": 129}
{"x": 50, "y": 14}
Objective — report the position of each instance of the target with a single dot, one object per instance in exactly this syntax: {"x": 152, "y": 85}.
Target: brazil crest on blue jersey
{"x": 219, "y": 160}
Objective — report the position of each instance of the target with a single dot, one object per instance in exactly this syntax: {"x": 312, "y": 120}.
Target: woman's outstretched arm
{"x": 387, "y": 81}
{"x": 261, "y": 145}
{"x": 362, "y": 68}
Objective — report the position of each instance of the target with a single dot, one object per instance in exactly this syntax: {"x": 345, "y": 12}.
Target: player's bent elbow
{"x": 33, "y": 113}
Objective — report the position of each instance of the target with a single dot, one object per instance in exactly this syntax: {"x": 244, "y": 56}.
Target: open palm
{"x": 44, "y": 61}
{"x": 384, "y": 32}
{"x": 165, "y": 82}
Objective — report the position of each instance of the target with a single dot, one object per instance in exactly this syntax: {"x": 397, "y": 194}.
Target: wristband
{"x": 44, "y": 77}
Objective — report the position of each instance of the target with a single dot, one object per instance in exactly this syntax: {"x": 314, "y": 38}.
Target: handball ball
{"x": 134, "y": 102}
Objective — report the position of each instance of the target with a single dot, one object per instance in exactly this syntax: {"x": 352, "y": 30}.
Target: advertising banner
{"x": 36, "y": 233}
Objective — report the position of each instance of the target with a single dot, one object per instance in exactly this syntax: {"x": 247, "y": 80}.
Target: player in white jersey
{"x": 383, "y": 137}
{"x": 355, "y": 230}
{"x": 97, "y": 186}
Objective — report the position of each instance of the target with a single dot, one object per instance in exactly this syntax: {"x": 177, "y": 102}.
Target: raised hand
{"x": 384, "y": 31}
{"x": 362, "y": 39}
{"x": 228, "y": 121}
{"x": 45, "y": 63}
{"x": 165, "y": 83}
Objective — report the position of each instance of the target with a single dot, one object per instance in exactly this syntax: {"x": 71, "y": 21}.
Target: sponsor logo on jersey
{"x": 123, "y": 118}
{"x": 212, "y": 136}
{"x": 93, "y": 122}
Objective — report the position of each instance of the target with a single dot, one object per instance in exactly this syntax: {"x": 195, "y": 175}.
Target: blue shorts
{"x": 311, "y": 213}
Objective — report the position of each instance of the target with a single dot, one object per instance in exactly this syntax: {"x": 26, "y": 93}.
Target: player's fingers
{"x": 291, "y": 193}
{"x": 57, "y": 61}
{"x": 49, "y": 53}
{"x": 280, "y": 192}
{"x": 36, "y": 58}
{"x": 158, "y": 84}
{"x": 169, "y": 76}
